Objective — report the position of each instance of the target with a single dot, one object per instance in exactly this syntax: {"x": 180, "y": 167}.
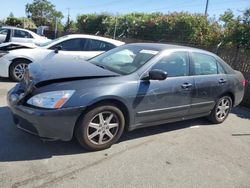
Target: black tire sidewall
{"x": 83, "y": 127}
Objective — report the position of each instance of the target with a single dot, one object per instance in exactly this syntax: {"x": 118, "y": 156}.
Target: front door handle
{"x": 222, "y": 81}
{"x": 186, "y": 85}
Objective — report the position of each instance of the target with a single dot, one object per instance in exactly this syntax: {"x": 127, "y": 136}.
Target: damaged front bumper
{"x": 55, "y": 124}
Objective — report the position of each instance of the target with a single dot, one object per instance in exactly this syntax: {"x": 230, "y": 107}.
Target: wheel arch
{"x": 13, "y": 61}
{"x": 230, "y": 94}
{"x": 116, "y": 102}
{"x": 18, "y": 59}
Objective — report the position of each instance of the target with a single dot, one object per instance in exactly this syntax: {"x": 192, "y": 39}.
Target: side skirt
{"x": 149, "y": 124}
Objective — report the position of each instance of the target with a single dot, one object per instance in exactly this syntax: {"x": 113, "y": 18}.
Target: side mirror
{"x": 156, "y": 74}
{"x": 57, "y": 49}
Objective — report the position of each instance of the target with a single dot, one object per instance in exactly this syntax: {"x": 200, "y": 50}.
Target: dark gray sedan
{"x": 129, "y": 87}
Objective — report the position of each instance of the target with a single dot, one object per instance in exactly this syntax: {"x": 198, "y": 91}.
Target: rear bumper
{"x": 51, "y": 124}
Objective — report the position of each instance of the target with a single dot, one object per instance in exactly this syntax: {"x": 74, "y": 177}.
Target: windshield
{"x": 3, "y": 31}
{"x": 125, "y": 59}
{"x": 51, "y": 42}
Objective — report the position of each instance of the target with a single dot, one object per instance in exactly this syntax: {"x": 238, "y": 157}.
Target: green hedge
{"x": 173, "y": 27}
{"x": 176, "y": 27}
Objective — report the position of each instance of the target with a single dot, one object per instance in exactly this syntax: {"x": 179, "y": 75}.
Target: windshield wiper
{"x": 100, "y": 66}
{"x": 105, "y": 67}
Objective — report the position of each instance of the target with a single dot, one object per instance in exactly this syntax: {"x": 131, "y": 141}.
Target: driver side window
{"x": 175, "y": 64}
{"x": 76, "y": 44}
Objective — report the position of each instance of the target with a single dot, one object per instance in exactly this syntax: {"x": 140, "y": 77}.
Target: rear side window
{"x": 220, "y": 69}
{"x": 204, "y": 64}
{"x": 22, "y": 34}
{"x": 97, "y": 45}
{"x": 175, "y": 64}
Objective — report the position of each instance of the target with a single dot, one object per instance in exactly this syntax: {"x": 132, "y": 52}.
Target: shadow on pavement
{"x": 241, "y": 112}
{"x": 5, "y": 80}
{"x": 17, "y": 145}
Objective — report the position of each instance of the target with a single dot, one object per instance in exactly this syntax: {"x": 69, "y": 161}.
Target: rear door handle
{"x": 186, "y": 85}
{"x": 222, "y": 81}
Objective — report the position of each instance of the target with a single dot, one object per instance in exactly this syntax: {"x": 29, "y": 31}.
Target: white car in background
{"x": 20, "y": 36}
{"x": 70, "y": 48}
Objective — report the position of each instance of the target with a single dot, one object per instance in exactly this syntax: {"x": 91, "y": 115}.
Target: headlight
{"x": 53, "y": 100}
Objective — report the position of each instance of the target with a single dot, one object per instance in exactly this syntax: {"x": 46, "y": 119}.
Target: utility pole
{"x": 67, "y": 26}
{"x": 206, "y": 8}
{"x": 56, "y": 20}
{"x": 68, "y": 13}
{"x": 116, "y": 22}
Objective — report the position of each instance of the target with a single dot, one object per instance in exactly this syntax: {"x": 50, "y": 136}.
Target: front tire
{"x": 17, "y": 69}
{"x": 100, "y": 127}
{"x": 221, "y": 110}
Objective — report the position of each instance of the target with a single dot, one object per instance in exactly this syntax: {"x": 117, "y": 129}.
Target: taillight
{"x": 243, "y": 83}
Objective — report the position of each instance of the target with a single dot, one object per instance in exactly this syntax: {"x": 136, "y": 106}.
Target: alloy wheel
{"x": 223, "y": 109}
{"x": 19, "y": 70}
{"x": 103, "y": 128}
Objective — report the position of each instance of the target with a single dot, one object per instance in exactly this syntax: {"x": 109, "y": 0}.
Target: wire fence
{"x": 239, "y": 59}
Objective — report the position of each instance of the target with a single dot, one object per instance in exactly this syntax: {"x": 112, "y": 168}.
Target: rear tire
{"x": 221, "y": 110}
{"x": 17, "y": 68}
{"x": 100, "y": 127}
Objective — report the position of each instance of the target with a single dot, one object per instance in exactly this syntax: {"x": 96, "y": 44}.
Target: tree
{"x": 28, "y": 23}
{"x": 93, "y": 23}
{"x": 227, "y": 17}
{"x": 236, "y": 29}
{"x": 13, "y": 21}
{"x": 43, "y": 13}
{"x": 246, "y": 17}
{"x": 11, "y": 15}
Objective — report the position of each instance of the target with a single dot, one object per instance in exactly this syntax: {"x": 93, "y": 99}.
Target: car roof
{"x": 29, "y": 31}
{"x": 109, "y": 40}
{"x": 12, "y": 27}
{"x": 163, "y": 47}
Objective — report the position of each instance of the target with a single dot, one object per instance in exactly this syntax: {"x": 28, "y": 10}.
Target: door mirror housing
{"x": 156, "y": 74}
{"x": 57, "y": 49}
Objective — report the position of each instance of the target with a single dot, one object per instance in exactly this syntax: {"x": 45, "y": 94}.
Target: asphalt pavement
{"x": 186, "y": 154}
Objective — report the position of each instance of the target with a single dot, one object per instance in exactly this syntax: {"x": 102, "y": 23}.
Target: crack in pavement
{"x": 70, "y": 173}
{"x": 34, "y": 178}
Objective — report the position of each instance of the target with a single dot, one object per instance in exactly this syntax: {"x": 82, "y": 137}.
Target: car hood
{"x": 52, "y": 72}
{"x": 9, "y": 46}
